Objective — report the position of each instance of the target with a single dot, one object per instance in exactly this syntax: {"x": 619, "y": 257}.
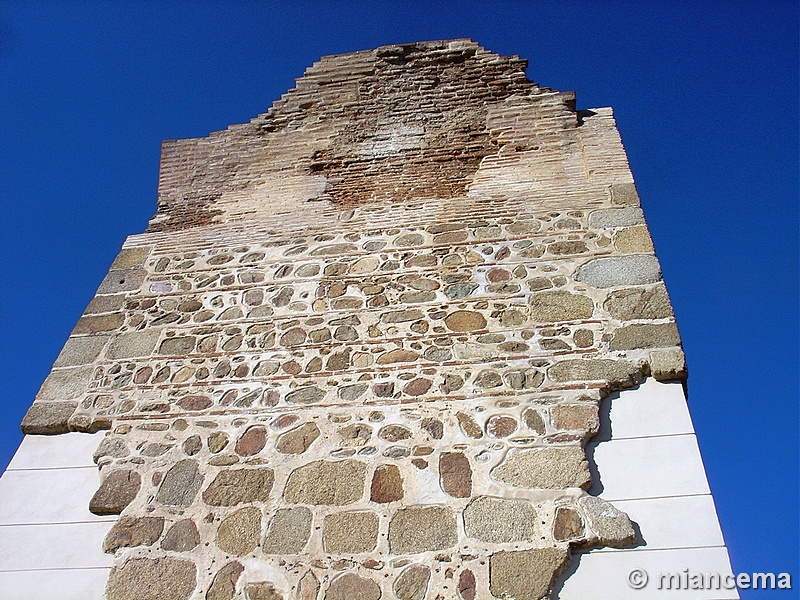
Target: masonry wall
{"x": 362, "y": 345}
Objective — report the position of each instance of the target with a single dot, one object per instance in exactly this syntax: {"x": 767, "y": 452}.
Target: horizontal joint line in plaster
{"x": 637, "y": 499}
{"x": 48, "y": 569}
{"x": 599, "y": 440}
{"x": 18, "y": 469}
{"x": 112, "y": 519}
{"x": 644, "y": 549}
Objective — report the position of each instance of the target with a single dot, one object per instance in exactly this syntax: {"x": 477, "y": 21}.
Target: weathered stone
{"x": 113, "y": 447}
{"x": 533, "y": 420}
{"x": 293, "y": 337}
{"x": 80, "y": 350}
{"x": 387, "y": 484}
{"x": 417, "y": 386}
{"x": 611, "y": 526}
{"x": 179, "y": 346}
{"x": 133, "y": 344}
{"x": 639, "y": 303}
{"x": 527, "y": 574}
{"x": 309, "y": 587}
{"x": 455, "y": 474}
{"x": 550, "y": 467}
{"x": 305, "y": 395}
{"x": 558, "y": 305}
{"x": 645, "y": 335}
{"x": 567, "y": 524}
{"x": 500, "y": 426}
{"x": 634, "y": 239}
{"x": 298, "y": 440}
{"x": 133, "y": 531}
{"x": 117, "y": 491}
{"x": 181, "y": 537}
{"x": 48, "y": 418}
{"x": 583, "y": 338}
{"x": 195, "y": 402}
{"x": 575, "y": 417}
{"x": 252, "y": 441}
{"x": 350, "y": 532}
{"x": 498, "y": 521}
{"x": 467, "y": 586}
{"x": 567, "y": 248}
{"x": 327, "y": 482}
{"x": 352, "y": 587}
{"x": 621, "y": 270}
{"x": 422, "y": 528}
{"x": 668, "y": 365}
{"x": 289, "y": 531}
{"x": 239, "y": 533}
{"x": 192, "y": 445}
{"x": 465, "y": 320}
{"x": 488, "y": 379}
{"x": 412, "y": 583}
{"x": 397, "y": 355}
{"x": 98, "y": 323}
{"x": 607, "y": 218}
{"x": 264, "y": 590}
{"x": 624, "y": 194}
{"x": 394, "y": 433}
{"x": 162, "y": 578}
{"x": 181, "y": 484}
{"x": 217, "y": 441}
{"x": 65, "y": 385}
{"x": 350, "y": 393}
{"x": 469, "y": 426}
{"x": 236, "y": 486}
{"x": 224, "y": 585}
{"x": 433, "y": 426}
{"x": 460, "y": 290}
{"x": 355, "y": 435}
{"x": 402, "y": 316}
{"x": 130, "y": 257}
{"x": 618, "y": 373}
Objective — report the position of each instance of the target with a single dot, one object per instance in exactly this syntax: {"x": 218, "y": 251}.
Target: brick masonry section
{"x": 362, "y": 345}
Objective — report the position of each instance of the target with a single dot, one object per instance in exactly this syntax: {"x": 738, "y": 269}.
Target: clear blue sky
{"x": 706, "y": 99}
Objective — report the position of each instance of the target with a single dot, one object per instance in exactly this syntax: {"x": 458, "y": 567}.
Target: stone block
{"x": 133, "y": 531}
{"x": 611, "y": 526}
{"x": 181, "y": 484}
{"x": 634, "y": 239}
{"x": 668, "y": 365}
{"x": 387, "y": 484}
{"x": 350, "y": 532}
{"x": 351, "y": 586}
{"x": 645, "y": 335}
{"x": 162, "y": 578}
{"x": 327, "y": 482}
{"x": 624, "y": 194}
{"x": 181, "y": 537}
{"x": 116, "y": 492}
{"x": 80, "y": 350}
{"x": 422, "y": 528}
{"x": 48, "y": 418}
{"x": 123, "y": 280}
{"x": 64, "y": 385}
{"x": 130, "y": 257}
{"x": 89, "y": 324}
{"x": 556, "y": 306}
{"x": 606, "y": 218}
{"x": 550, "y": 467}
{"x": 298, "y": 440}
{"x": 639, "y": 303}
{"x": 526, "y": 574}
{"x": 239, "y": 533}
{"x": 238, "y": 486}
{"x": 500, "y": 521}
{"x": 621, "y": 270}
{"x": 133, "y": 344}
{"x": 455, "y": 474}
{"x": 223, "y": 587}
{"x": 618, "y": 374}
{"x": 289, "y": 531}
{"x": 412, "y": 584}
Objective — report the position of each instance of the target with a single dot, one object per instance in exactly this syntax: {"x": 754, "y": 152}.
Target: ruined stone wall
{"x": 361, "y": 346}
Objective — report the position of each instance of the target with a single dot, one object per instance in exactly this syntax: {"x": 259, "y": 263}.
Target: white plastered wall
{"x": 647, "y": 464}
